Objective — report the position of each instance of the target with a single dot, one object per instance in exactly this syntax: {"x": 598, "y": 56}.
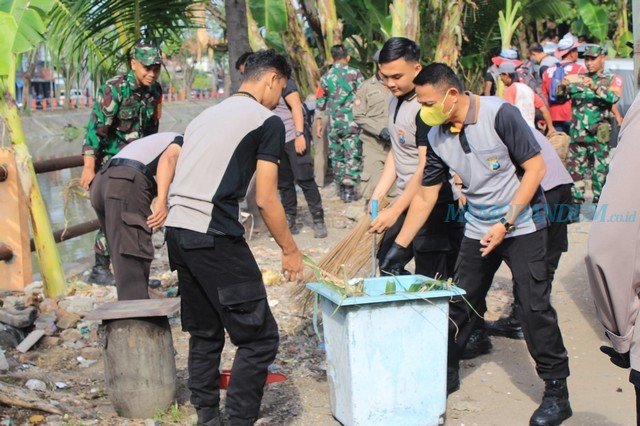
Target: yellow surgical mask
{"x": 435, "y": 115}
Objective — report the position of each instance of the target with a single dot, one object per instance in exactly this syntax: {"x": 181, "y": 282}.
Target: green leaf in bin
{"x": 390, "y": 288}
{"x": 414, "y": 288}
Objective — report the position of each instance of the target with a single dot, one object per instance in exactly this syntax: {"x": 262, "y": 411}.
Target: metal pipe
{"x": 4, "y": 172}
{"x": 5, "y": 253}
{"x": 73, "y": 232}
{"x": 54, "y": 164}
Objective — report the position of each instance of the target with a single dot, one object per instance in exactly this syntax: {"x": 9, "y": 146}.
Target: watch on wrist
{"x": 510, "y": 227}
{"x": 298, "y": 134}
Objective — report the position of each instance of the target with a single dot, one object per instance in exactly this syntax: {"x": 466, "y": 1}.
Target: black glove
{"x": 621, "y": 360}
{"x": 395, "y": 260}
{"x": 384, "y": 135}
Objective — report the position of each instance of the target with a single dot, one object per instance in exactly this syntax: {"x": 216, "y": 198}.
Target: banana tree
{"x": 450, "y": 39}
{"x": 255, "y": 38}
{"x": 21, "y": 28}
{"x": 331, "y": 26}
{"x": 296, "y": 45}
{"x": 406, "y": 18}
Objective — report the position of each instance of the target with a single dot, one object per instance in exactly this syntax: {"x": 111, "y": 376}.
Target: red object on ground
{"x": 225, "y": 376}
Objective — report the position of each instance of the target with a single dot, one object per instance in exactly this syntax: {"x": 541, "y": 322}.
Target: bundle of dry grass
{"x": 353, "y": 251}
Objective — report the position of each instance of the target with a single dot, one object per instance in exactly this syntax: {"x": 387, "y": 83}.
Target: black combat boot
{"x": 478, "y": 344}
{"x": 350, "y": 194}
{"x": 319, "y": 228}
{"x": 236, "y": 421}
{"x": 453, "y": 379}
{"x": 100, "y": 273}
{"x": 209, "y": 416}
{"x": 508, "y": 326}
{"x": 341, "y": 192}
{"x": 291, "y": 221}
{"x": 555, "y": 407}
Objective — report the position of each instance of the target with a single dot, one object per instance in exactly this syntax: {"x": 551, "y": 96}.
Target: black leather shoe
{"x": 555, "y": 407}
{"x": 506, "y": 327}
{"x": 453, "y": 380}
{"x": 478, "y": 344}
{"x": 209, "y": 416}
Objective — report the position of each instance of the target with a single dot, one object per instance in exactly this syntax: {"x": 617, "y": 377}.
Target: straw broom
{"x": 353, "y": 251}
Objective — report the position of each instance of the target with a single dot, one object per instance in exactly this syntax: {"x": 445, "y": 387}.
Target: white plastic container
{"x": 386, "y": 353}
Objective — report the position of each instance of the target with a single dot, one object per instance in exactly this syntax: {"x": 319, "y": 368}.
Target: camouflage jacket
{"x": 125, "y": 111}
{"x": 591, "y": 109}
{"x": 339, "y": 84}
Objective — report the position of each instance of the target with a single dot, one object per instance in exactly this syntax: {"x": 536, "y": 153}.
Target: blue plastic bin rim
{"x": 374, "y": 289}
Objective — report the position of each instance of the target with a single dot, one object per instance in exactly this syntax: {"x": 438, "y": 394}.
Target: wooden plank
{"x": 135, "y": 309}
{"x": 16, "y": 273}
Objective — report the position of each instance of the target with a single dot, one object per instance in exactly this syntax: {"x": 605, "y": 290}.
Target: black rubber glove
{"x": 384, "y": 135}
{"x": 395, "y": 260}
{"x": 621, "y": 360}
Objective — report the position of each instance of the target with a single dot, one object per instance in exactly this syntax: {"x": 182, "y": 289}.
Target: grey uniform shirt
{"x": 557, "y": 173}
{"x": 487, "y": 154}
{"x": 218, "y": 159}
{"x": 284, "y": 112}
{"x": 402, "y": 128}
{"x": 148, "y": 150}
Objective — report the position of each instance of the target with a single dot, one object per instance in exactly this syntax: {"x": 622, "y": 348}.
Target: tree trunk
{"x": 237, "y": 36}
{"x": 26, "y": 80}
{"x": 303, "y": 62}
{"x": 406, "y": 19}
{"x": 48, "y": 257}
{"x": 313, "y": 19}
{"x": 448, "y": 49}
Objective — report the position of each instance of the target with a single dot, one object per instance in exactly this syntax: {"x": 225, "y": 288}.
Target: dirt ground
{"x": 500, "y": 388}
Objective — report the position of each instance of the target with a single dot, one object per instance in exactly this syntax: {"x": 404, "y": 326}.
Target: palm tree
{"x": 96, "y": 36}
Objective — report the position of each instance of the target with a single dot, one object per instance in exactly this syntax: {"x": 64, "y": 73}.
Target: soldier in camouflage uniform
{"x": 592, "y": 97}
{"x": 128, "y": 108}
{"x": 371, "y": 114}
{"x": 345, "y": 149}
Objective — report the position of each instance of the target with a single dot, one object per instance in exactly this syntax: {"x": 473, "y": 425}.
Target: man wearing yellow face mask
{"x": 491, "y": 148}
{"x": 435, "y": 247}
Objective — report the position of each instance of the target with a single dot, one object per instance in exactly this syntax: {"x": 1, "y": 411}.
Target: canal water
{"x": 59, "y": 134}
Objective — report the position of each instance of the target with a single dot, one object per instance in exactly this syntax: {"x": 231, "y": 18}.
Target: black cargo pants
{"x": 221, "y": 288}
{"x": 525, "y": 257}
{"x": 298, "y": 169}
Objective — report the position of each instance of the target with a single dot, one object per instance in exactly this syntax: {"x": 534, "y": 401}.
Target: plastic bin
{"x": 386, "y": 353}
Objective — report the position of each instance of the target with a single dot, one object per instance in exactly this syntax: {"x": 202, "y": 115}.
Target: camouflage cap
{"x": 593, "y": 50}
{"x": 147, "y": 54}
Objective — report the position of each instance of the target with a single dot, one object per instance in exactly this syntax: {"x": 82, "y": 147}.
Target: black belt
{"x": 134, "y": 165}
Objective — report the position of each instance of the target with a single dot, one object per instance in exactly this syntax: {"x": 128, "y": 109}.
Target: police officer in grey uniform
{"x": 492, "y": 149}
{"x": 371, "y": 114}
{"x": 121, "y": 195}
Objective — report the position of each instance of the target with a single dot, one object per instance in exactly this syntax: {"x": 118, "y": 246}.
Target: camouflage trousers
{"x": 588, "y": 156}
{"x": 100, "y": 246}
{"x": 345, "y": 154}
